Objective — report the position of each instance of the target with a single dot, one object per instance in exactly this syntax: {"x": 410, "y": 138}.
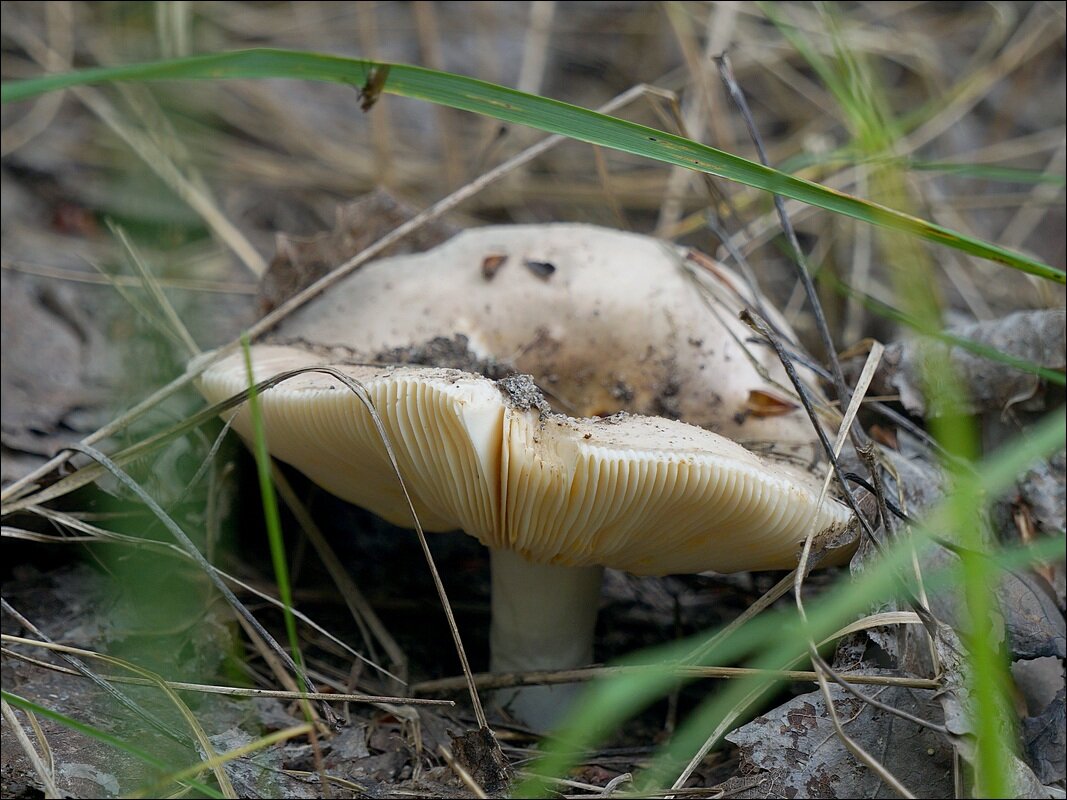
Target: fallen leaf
{"x": 796, "y": 749}
{"x": 764, "y": 404}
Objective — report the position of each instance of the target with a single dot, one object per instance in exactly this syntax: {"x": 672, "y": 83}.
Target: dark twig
{"x": 859, "y": 695}
{"x": 843, "y": 393}
{"x": 712, "y": 221}
{"x": 857, "y": 435}
{"x": 952, "y": 547}
{"x": 906, "y": 424}
{"x": 232, "y": 691}
{"x": 894, "y": 416}
{"x": 762, "y": 328}
{"x": 503, "y": 680}
{"x": 889, "y": 504}
{"x": 821, "y": 667}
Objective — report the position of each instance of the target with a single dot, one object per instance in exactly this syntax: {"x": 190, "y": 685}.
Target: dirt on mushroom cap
{"x": 622, "y": 323}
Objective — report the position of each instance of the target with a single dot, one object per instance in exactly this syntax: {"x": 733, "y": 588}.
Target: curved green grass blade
{"x": 509, "y": 105}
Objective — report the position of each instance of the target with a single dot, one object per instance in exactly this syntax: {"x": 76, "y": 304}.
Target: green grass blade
{"x": 270, "y": 514}
{"x": 847, "y": 156}
{"x": 509, "y": 105}
{"x": 606, "y": 703}
{"x": 986, "y": 172}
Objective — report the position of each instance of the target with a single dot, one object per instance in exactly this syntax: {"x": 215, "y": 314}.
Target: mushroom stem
{"x": 544, "y": 617}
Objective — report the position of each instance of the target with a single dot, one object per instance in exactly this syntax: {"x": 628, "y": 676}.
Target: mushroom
{"x": 555, "y": 498}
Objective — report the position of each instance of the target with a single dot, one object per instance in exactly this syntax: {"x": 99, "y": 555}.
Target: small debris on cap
{"x": 491, "y": 264}
{"x": 542, "y": 269}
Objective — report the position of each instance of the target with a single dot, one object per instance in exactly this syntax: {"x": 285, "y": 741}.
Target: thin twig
{"x": 866, "y": 454}
{"x": 723, "y": 63}
{"x": 231, "y": 691}
{"x": 854, "y": 747}
{"x": 866, "y": 698}
{"x": 821, "y": 667}
{"x": 503, "y": 680}
{"x": 712, "y": 221}
{"x": 764, "y": 329}
{"x": 712, "y": 300}
{"x": 888, "y": 412}
{"x": 761, "y": 327}
{"x": 865, "y": 378}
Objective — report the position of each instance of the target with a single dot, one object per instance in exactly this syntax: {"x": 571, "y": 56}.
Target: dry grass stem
{"x": 362, "y": 611}
{"x": 202, "y": 742}
{"x": 44, "y": 774}
{"x": 233, "y": 691}
{"x": 100, "y": 535}
{"x": 503, "y": 680}
{"x": 822, "y": 669}
{"x": 77, "y": 276}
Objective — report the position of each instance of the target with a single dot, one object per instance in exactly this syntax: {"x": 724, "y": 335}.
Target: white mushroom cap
{"x": 623, "y": 322}
{"x": 651, "y": 496}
